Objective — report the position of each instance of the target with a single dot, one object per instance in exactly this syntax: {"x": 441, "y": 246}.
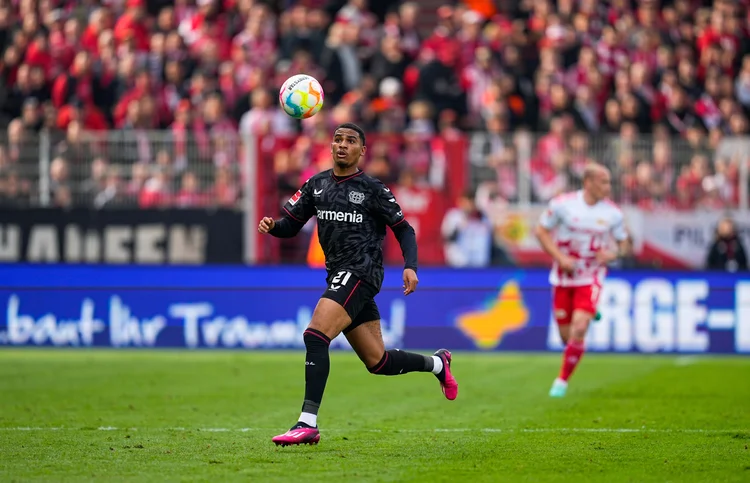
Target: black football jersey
{"x": 352, "y": 213}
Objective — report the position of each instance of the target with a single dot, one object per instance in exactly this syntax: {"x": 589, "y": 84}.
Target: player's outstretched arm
{"x": 297, "y": 211}
{"x": 285, "y": 227}
{"x": 266, "y": 225}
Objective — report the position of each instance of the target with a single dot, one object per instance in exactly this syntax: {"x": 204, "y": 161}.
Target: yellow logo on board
{"x": 507, "y": 313}
{"x": 514, "y": 229}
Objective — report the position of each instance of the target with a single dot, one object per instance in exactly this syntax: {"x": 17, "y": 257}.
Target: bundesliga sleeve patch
{"x": 295, "y": 198}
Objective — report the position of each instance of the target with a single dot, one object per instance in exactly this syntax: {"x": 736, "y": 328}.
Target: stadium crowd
{"x": 662, "y": 88}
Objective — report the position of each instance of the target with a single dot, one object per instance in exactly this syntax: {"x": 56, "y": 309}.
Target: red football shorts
{"x": 566, "y": 300}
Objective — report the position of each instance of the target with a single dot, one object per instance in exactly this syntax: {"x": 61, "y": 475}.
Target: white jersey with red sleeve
{"x": 581, "y": 231}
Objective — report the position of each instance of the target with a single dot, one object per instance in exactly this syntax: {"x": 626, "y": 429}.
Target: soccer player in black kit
{"x": 353, "y": 210}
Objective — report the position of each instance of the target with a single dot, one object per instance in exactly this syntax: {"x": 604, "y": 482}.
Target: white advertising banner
{"x": 684, "y": 238}
{"x": 514, "y": 230}
{"x": 670, "y": 239}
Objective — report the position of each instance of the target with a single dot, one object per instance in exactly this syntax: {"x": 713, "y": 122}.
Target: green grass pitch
{"x": 97, "y": 415}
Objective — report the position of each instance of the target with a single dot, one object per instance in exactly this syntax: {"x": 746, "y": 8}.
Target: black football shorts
{"x": 355, "y": 295}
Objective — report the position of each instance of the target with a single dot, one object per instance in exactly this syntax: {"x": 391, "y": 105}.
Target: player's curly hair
{"x": 353, "y": 127}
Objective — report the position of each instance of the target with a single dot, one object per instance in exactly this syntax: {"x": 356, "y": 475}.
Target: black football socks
{"x": 317, "y": 367}
{"x": 395, "y": 362}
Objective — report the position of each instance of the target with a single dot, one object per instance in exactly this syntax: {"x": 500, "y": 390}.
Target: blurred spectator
{"x": 14, "y": 190}
{"x": 389, "y": 108}
{"x": 390, "y": 60}
{"x": 112, "y": 194}
{"x": 87, "y": 114}
{"x": 477, "y": 78}
{"x": 190, "y": 195}
{"x": 503, "y": 159}
{"x": 690, "y": 186}
{"x": 225, "y": 192}
{"x": 156, "y": 191}
{"x": 405, "y": 21}
{"x": 264, "y": 116}
{"x": 31, "y": 115}
{"x": 417, "y": 155}
{"x": 742, "y": 84}
{"x": 440, "y": 85}
{"x": 75, "y": 147}
{"x": 131, "y": 25}
{"x": 727, "y": 252}
{"x": 96, "y": 181}
{"x": 138, "y": 178}
{"x": 467, "y": 235}
{"x": 302, "y": 28}
{"x": 62, "y": 197}
{"x": 379, "y": 167}
{"x": 59, "y": 174}
{"x": 340, "y": 61}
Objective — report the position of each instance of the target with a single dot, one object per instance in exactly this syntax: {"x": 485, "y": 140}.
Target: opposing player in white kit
{"x": 584, "y": 223}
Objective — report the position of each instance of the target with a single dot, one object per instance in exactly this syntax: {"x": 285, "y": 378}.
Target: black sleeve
{"x": 299, "y": 209}
{"x": 286, "y": 227}
{"x": 408, "y": 240}
{"x": 386, "y": 207}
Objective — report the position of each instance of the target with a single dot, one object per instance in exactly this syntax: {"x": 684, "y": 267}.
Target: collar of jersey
{"x": 341, "y": 180}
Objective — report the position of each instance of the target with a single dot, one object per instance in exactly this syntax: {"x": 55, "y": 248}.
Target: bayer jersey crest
{"x": 356, "y": 197}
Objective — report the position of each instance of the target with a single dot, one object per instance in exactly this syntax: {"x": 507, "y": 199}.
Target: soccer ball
{"x": 301, "y": 96}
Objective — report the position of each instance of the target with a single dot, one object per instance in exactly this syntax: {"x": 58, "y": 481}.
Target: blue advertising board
{"x": 269, "y": 307}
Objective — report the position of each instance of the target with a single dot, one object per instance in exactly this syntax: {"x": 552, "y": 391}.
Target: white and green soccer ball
{"x": 301, "y": 96}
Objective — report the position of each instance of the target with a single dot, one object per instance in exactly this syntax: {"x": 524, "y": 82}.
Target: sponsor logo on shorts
{"x": 561, "y": 314}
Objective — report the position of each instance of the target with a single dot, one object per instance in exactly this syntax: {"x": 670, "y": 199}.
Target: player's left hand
{"x": 606, "y": 256}
{"x": 266, "y": 225}
{"x": 410, "y": 281}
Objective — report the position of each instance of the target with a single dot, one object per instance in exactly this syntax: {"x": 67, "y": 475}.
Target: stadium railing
{"x": 520, "y": 171}
{"x": 121, "y": 168}
{"x": 521, "y": 168}
{"x": 650, "y": 172}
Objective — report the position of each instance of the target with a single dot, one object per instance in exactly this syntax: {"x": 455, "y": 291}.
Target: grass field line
{"x": 426, "y": 430}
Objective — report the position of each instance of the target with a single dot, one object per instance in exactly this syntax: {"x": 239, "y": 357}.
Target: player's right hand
{"x": 410, "y": 281}
{"x": 266, "y": 225}
{"x": 567, "y": 264}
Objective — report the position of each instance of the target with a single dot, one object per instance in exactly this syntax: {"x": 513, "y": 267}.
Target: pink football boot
{"x": 447, "y": 382}
{"x": 298, "y": 435}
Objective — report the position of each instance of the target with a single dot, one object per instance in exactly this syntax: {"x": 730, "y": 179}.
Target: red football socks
{"x": 571, "y": 356}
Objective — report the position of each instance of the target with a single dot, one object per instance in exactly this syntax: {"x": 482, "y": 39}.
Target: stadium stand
{"x": 130, "y": 102}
